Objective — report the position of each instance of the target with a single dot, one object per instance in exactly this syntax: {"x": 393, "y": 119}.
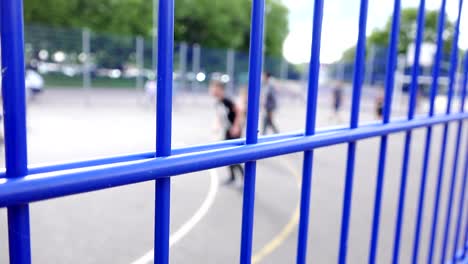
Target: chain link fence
{"x": 79, "y": 58}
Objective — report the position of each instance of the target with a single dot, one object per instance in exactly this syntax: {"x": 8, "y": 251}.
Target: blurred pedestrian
{"x": 379, "y": 104}
{"x": 150, "y": 91}
{"x": 34, "y": 83}
{"x": 270, "y": 104}
{"x": 229, "y": 120}
{"x": 242, "y": 105}
{"x": 338, "y": 94}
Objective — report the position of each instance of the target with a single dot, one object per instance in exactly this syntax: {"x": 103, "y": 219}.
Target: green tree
{"x": 211, "y": 23}
{"x": 380, "y": 37}
{"x": 218, "y": 24}
{"x": 122, "y": 17}
{"x": 276, "y": 25}
{"x": 226, "y": 24}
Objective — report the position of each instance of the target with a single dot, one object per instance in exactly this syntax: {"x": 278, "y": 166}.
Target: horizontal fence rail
{"x": 21, "y": 183}
{"x": 46, "y": 185}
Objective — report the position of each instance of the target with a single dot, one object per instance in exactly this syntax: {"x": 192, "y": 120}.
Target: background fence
{"x": 72, "y": 58}
{"x": 376, "y": 68}
{"x": 81, "y": 58}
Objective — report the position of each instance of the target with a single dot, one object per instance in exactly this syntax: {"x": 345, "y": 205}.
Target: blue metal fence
{"x": 22, "y": 184}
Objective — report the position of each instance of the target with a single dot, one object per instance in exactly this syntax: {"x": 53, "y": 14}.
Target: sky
{"x": 340, "y": 25}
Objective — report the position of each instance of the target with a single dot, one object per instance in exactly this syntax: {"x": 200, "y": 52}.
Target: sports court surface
{"x": 116, "y": 225}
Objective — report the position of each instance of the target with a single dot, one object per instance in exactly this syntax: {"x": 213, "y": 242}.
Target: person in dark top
{"x": 229, "y": 120}
{"x": 379, "y": 102}
{"x": 270, "y": 104}
{"x": 337, "y": 99}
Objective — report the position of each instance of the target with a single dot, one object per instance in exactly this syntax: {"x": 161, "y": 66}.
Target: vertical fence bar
{"x": 183, "y": 65}
{"x": 164, "y": 127}
{"x": 465, "y": 232}
{"x": 411, "y": 111}
{"x": 86, "y": 46}
{"x": 230, "y": 67}
{"x": 255, "y": 72}
{"x": 452, "y": 72}
{"x": 399, "y": 80}
{"x": 428, "y": 139}
{"x": 310, "y": 124}
{"x": 387, "y": 110}
{"x": 14, "y": 105}
{"x": 284, "y": 69}
{"x": 154, "y": 36}
{"x": 139, "y": 56}
{"x": 453, "y": 80}
{"x": 359, "y": 66}
{"x": 370, "y": 65}
{"x": 464, "y": 176}
{"x": 341, "y": 71}
{"x": 195, "y": 65}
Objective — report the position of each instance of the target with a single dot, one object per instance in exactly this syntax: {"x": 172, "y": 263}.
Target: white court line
{"x": 192, "y": 222}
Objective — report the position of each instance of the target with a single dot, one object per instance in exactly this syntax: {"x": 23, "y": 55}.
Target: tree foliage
{"x": 219, "y": 24}
{"x": 113, "y": 16}
{"x": 380, "y": 37}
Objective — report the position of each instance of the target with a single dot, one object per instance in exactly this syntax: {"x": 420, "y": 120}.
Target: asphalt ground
{"x": 116, "y": 225}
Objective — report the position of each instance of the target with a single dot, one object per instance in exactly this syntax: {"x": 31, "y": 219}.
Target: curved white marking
{"x": 192, "y": 222}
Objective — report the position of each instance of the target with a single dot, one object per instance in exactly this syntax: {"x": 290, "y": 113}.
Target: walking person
{"x": 229, "y": 121}
{"x": 270, "y": 104}
{"x": 242, "y": 106}
{"x": 338, "y": 95}
{"x": 379, "y": 103}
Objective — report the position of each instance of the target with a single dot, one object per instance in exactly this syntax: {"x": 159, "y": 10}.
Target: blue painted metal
{"x": 464, "y": 175}
{"x": 460, "y": 249}
{"x": 464, "y": 244}
{"x": 389, "y": 84}
{"x": 428, "y": 140}
{"x": 20, "y": 184}
{"x": 452, "y": 72}
{"x": 411, "y": 110}
{"x": 359, "y": 65}
{"x": 42, "y": 168}
{"x": 453, "y": 180}
{"x": 164, "y": 127}
{"x": 464, "y": 252}
{"x": 98, "y": 161}
{"x": 61, "y": 183}
{"x": 14, "y": 105}
{"x": 311, "y": 115}
{"x": 464, "y": 255}
{"x": 148, "y": 155}
{"x": 255, "y": 72}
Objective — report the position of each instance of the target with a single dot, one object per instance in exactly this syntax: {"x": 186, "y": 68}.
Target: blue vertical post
{"x": 428, "y": 139}
{"x": 464, "y": 252}
{"x": 255, "y": 72}
{"x": 407, "y": 149}
{"x": 14, "y": 104}
{"x": 465, "y": 232}
{"x": 464, "y": 176}
{"x": 164, "y": 127}
{"x": 359, "y": 65}
{"x": 311, "y": 114}
{"x": 452, "y": 72}
{"x": 453, "y": 80}
{"x": 389, "y": 85}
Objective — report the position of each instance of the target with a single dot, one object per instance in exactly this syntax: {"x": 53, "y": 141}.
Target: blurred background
{"x": 112, "y": 44}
